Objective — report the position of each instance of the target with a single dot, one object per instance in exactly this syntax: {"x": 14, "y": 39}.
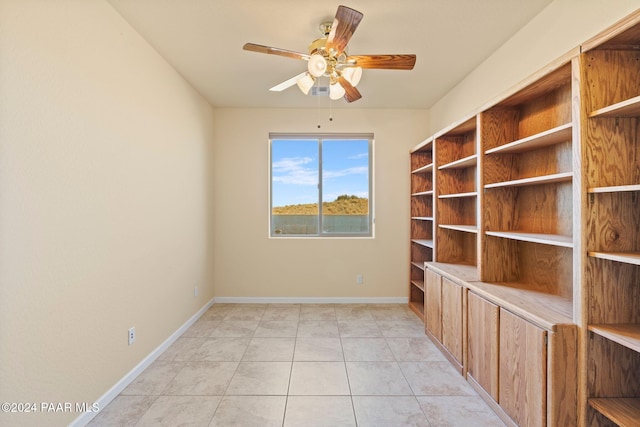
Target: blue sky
{"x": 295, "y": 170}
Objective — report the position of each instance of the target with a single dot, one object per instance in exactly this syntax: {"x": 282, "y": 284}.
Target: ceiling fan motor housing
{"x": 332, "y": 62}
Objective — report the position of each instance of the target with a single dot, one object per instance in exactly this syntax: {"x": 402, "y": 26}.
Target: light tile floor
{"x": 300, "y": 365}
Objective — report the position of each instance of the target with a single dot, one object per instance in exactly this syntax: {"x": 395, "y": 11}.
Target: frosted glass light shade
{"x": 353, "y": 75}
{"x": 317, "y": 65}
{"x": 305, "y": 83}
{"x": 336, "y": 91}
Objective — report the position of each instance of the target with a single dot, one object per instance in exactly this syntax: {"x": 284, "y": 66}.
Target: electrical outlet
{"x": 359, "y": 279}
{"x": 195, "y": 291}
{"x": 132, "y": 335}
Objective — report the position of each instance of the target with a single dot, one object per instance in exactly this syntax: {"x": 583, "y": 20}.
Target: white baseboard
{"x": 312, "y": 300}
{"x": 114, "y": 391}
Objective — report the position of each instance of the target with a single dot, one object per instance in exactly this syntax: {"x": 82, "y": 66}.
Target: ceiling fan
{"x": 328, "y": 57}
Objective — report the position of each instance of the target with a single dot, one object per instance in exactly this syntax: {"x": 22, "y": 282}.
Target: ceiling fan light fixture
{"x": 336, "y": 91}
{"x": 305, "y": 83}
{"x": 353, "y": 75}
{"x": 317, "y": 65}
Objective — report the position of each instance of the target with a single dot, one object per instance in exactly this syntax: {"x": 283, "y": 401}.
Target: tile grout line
{"x": 147, "y": 410}
{"x": 286, "y": 399}
{"x": 344, "y": 361}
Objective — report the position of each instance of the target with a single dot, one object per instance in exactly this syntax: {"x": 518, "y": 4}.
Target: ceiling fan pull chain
{"x": 330, "y": 109}
{"x": 318, "y": 103}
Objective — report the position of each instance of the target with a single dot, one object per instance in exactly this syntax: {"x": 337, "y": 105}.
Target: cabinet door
{"x": 523, "y": 370}
{"x": 482, "y": 343}
{"x": 452, "y": 320}
{"x": 433, "y": 290}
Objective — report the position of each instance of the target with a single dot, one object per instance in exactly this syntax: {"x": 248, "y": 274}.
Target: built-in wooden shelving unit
{"x": 533, "y": 286}
{"x": 457, "y": 196}
{"x": 422, "y": 221}
{"x": 611, "y": 137}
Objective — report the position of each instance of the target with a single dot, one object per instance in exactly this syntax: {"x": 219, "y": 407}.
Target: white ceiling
{"x": 203, "y": 40}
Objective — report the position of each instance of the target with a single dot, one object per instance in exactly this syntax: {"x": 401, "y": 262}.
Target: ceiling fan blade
{"x": 386, "y": 62}
{"x": 351, "y": 93}
{"x": 343, "y": 27}
{"x": 287, "y": 83}
{"x": 275, "y": 51}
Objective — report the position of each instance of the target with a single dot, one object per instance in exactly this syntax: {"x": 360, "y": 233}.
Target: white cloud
{"x": 358, "y": 170}
{"x": 359, "y": 156}
{"x": 292, "y": 170}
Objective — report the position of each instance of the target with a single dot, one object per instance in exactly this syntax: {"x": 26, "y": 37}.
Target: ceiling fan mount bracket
{"x": 325, "y": 28}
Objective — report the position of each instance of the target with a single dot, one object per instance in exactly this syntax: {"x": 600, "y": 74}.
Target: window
{"x": 334, "y": 169}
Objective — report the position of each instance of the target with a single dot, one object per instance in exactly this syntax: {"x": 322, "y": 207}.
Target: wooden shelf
{"x": 423, "y": 242}
{"x": 458, "y": 195}
{"x": 543, "y": 139}
{"x": 463, "y": 228}
{"x": 614, "y": 189}
{"x": 537, "y": 180}
{"x": 423, "y": 169}
{"x": 422, "y": 218}
{"x": 423, "y": 193}
{"x": 626, "y": 257}
{"x": 624, "y": 411}
{"x": 417, "y": 308}
{"x": 419, "y": 265}
{"x": 545, "y": 310}
{"x": 627, "y": 335}
{"x": 626, "y": 108}
{"x": 545, "y": 239}
{"x": 465, "y": 162}
{"x": 418, "y": 284}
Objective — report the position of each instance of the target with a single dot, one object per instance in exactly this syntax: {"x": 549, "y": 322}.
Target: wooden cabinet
{"x": 446, "y": 309}
{"x": 433, "y": 314}
{"x": 526, "y": 370}
{"x": 523, "y": 370}
{"x": 482, "y": 344}
{"x": 453, "y": 321}
{"x": 611, "y": 134}
{"x": 422, "y": 220}
{"x": 445, "y": 319}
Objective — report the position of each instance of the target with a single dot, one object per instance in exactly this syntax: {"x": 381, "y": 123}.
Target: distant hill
{"x": 343, "y": 205}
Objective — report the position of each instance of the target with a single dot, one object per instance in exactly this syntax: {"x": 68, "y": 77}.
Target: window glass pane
{"x": 294, "y": 187}
{"x": 345, "y": 186}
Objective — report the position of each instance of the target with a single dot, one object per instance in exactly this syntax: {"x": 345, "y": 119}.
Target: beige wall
{"x": 121, "y": 190}
{"x": 250, "y": 264}
{"x": 560, "y": 27}
{"x": 104, "y": 202}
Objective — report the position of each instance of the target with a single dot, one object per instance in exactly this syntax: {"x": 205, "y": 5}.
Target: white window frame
{"x": 320, "y": 137}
